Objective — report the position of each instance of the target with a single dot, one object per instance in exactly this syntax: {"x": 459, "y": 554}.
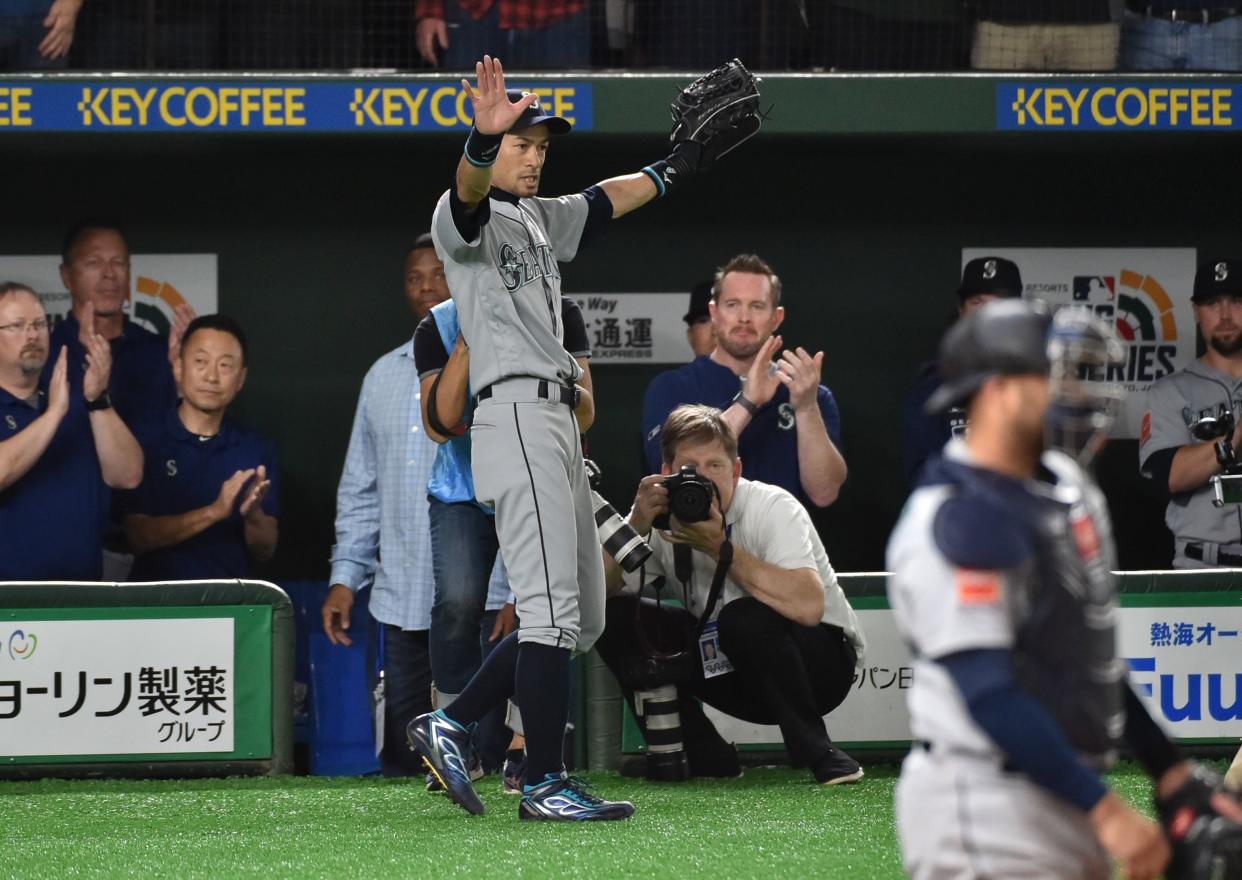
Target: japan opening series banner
{"x": 159, "y": 283}
{"x": 116, "y": 687}
{"x": 1143, "y": 293}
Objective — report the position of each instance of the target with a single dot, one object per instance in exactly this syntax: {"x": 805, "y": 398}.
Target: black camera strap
{"x": 683, "y": 566}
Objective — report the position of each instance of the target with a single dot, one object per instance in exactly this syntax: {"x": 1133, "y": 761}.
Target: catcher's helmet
{"x": 1004, "y": 337}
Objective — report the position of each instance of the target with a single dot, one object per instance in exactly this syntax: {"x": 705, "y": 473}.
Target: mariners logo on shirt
{"x": 520, "y": 267}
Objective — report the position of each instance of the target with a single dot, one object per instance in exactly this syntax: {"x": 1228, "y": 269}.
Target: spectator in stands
{"x": 383, "y": 535}
{"x": 700, "y": 332}
{"x": 789, "y": 639}
{"x": 1181, "y": 35}
{"x": 696, "y": 34}
{"x": 207, "y": 505}
{"x": 1045, "y": 35}
{"x": 60, "y": 447}
{"x": 787, "y": 423}
{"x": 525, "y": 34}
{"x": 889, "y": 35}
{"x": 140, "y": 34}
{"x": 923, "y": 436}
{"x": 36, "y": 34}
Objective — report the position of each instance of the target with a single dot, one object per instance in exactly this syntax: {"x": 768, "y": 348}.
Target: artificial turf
{"x": 770, "y": 823}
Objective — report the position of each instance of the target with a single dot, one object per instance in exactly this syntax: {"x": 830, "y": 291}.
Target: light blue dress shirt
{"x": 382, "y": 526}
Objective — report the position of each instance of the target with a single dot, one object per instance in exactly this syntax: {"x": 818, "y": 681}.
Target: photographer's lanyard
{"x": 683, "y": 566}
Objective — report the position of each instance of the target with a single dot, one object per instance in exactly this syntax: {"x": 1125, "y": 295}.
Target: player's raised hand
{"x": 493, "y": 112}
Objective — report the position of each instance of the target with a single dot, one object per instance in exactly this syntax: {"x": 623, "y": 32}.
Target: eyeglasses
{"x": 17, "y": 329}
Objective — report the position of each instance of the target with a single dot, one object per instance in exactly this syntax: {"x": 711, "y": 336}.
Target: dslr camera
{"x": 689, "y": 497}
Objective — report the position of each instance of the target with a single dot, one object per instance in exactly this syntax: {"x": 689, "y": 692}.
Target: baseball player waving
{"x": 502, "y": 247}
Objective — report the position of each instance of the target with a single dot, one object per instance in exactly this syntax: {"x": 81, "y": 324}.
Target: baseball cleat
{"x": 568, "y": 799}
{"x": 476, "y": 773}
{"x": 444, "y": 745}
{"x": 837, "y": 768}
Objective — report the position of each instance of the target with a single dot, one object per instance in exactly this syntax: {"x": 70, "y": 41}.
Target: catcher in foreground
{"x": 1002, "y": 585}
{"x": 502, "y": 247}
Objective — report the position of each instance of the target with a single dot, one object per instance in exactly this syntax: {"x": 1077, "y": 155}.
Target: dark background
{"x": 866, "y": 234}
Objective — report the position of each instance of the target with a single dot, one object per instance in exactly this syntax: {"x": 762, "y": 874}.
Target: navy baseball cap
{"x": 534, "y": 115}
{"x": 700, "y": 296}
{"x": 1218, "y": 278}
{"x": 994, "y": 275}
{"x": 1003, "y": 338}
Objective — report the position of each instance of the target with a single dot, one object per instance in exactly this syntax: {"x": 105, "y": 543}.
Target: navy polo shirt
{"x": 141, "y": 383}
{"x": 768, "y": 446}
{"x": 183, "y": 472}
{"x": 923, "y": 436}
{"x": 52, "y": 519}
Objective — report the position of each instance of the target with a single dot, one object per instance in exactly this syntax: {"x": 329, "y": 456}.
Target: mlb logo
{"x": 1097, "y": 287}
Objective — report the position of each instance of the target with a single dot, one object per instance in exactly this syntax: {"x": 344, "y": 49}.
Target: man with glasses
{"x": 60, "y": 446}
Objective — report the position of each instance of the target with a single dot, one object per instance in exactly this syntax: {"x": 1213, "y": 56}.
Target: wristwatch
{"x": 745, "y": 404}
{"x": 103, "y": 401}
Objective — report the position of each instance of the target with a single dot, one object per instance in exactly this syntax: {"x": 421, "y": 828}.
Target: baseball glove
{"x": 718, "y": 111}
{"x": 1206, "y": 846}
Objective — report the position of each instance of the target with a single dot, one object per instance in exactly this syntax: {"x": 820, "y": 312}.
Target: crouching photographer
{"x": 765, "y": 635}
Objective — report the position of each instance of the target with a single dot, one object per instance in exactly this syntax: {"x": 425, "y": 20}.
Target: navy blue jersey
{"x": 768, "y": 446}
{"x": 184, "y": 471}
{"x": 141, "y": 383}
{"x": 52, "y": 518}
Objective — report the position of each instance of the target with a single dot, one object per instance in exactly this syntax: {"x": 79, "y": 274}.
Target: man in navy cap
{"x": 924, "y": 435}
{"x": 700, "y": 332}
{"x": 1179, "y": 464}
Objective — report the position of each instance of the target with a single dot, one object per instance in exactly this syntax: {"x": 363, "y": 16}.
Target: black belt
{"x": 1232, "y": 560}
{"x": 1190, "y": 16}
{"x": 554, "y": 391}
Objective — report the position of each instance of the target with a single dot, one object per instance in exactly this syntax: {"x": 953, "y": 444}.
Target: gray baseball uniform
{"x": 1050, "y": 602}
{"x": 1173, "y": 404}
{"x": 526, "y": 451}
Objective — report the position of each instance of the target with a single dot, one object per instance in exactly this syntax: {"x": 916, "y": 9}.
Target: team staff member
{"x": 924, "y": 434}
{"x": 95, "y": 271}
{"x": 59, "y": 448}
{"x": 788, "y": 632}
{"x": 502, "y": 247}
{"x": 1203, "y": 535}
{"x": 1002, "y": 586}
{"x": 464, "y": 545}
{"x": 787, "y": 423}
{"x": 700, "y": 332}
{"x": 208, "y": 504}
{"x": 382, "y": 532}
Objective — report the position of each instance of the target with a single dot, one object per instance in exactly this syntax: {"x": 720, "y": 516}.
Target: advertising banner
{"x": 279, "y": 106}
{"x": 1143, "y": 293}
